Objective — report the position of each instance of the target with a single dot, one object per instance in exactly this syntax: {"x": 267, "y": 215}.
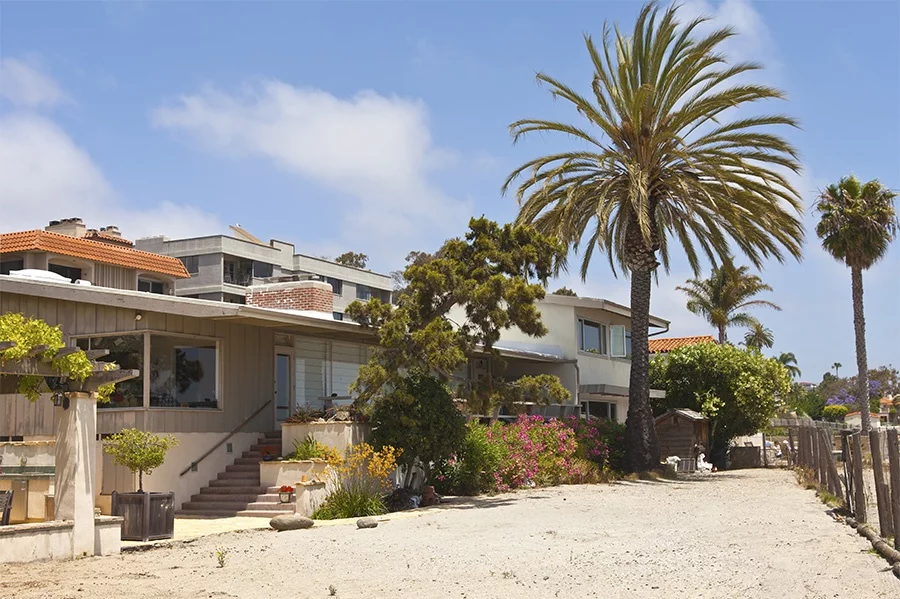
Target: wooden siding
{"x": 325, "y": 367}
{"x": 116, "y": 277}
{"x": 246, "y": 370}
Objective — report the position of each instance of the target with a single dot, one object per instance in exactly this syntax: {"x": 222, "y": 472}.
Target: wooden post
{"x": 884, "y": 510}
{"x": 894, "y": 457}
{"x": 859, "y": 498}
{"x": 765, "y": 455}
{"x": 834, "y": 483}
{"x": 848, "y": 470}
{"x": 792, "y": 457}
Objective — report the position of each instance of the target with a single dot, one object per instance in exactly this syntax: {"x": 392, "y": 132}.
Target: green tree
{"x": 858, "y": 223}
{"x": 353, "y": 259}
{"x": 658, "y": 167}
{"x": 420, "y": 418}
{"x": 758, "y": 337}
{"x": 789, "y": 361}
{"x": 139, "y": 451}
{"x": 400, "y": 283}
{"x": 738, "y": 390}
{"x": 487, "y": 277}
{"x": 565, "y": 291}
{"x": 835, "y": 413}
{"x": 722, "y": 298}
{"x": 806, "y": 401}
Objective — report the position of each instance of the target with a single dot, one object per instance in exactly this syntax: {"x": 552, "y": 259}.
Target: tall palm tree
{"x": 789, "y": 361}
{"x": 837, "y": 367}
{"x": 722, "y": 297}
{"x": 758, "y": 337}
{"x": 858, "y": 223}
{"x": 657, "y": 166}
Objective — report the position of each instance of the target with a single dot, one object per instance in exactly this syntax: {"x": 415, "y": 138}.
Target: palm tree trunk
{"x": 641, "y": 443}
{"x": 723, "y": 336}
{"x": 859, "y": 329}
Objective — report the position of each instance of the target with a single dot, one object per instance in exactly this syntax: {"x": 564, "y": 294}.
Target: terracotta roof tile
{"x": 45, "y": 241}
{"x": 662, "y": 346}
{"x": 101, "y": 236}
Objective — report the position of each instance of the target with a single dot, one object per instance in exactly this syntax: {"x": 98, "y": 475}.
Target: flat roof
{"x": 600, "y": 304}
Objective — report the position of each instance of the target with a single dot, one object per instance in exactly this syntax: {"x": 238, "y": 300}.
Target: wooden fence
{"x": 862, "y": 469}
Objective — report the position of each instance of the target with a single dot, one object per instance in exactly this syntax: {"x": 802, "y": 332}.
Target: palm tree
{"x": 789, "y": 361}
{"x": 758, "y": 337}
{"x": 657, "y": 167}
{"x": 837, "y": 367}
{"x": 722, "y": 297}
{"x": 858, "y": 223}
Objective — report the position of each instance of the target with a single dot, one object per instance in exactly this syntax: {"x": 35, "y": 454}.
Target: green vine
{"x": 32, "y": 332}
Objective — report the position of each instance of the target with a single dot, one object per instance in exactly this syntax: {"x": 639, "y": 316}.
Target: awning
{"x": 615, "y": 390}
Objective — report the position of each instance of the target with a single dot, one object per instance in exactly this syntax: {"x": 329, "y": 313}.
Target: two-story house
{"x": 222, "y": 267}
{"x": 101, "y": 257}
{"x": 588, "y": 346}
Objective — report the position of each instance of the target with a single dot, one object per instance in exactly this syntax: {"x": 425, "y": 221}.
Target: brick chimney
{"x": 316, "y": 296}
{"x": 73, "y": 227}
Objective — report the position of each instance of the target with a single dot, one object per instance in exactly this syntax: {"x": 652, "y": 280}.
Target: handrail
{"x": 230, "y": 435}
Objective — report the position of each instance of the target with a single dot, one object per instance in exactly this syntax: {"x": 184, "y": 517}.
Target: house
{"x": 666, "y": 344}
{"x": 854, "y": 420}
{"x": 588, "y": 346}
{"x": 887, "y": 410}
{"x": 222, "y": 268}
{"x": 102, "y": 257}
{"x": 219, "y": 377}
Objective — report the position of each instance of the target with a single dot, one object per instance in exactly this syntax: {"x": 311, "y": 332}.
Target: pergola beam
{"x": 35, "y": 350}
{"x": 5, "y": 345}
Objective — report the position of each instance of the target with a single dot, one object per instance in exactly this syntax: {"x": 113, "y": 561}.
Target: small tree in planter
{"x": 147, "y": 515}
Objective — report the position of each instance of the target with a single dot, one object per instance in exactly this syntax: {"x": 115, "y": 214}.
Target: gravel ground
{"x": 745, "y": 534}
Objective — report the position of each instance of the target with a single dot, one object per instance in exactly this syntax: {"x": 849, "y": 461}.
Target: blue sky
{"x": 381, "y": 127}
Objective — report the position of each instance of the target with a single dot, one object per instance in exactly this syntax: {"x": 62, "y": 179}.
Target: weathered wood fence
{"x": 846, "y": 462}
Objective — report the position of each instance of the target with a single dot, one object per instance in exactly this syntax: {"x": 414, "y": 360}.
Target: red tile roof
{"x": 101, "y": 236}
{"x": 45, "y": 241}
{"x": 662, "y": 346}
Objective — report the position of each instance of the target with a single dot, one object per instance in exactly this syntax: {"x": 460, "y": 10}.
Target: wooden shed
{"x": 680, "y": 431}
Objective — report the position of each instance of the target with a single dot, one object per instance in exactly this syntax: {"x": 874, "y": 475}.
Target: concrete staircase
{"x": 237, "y": 491}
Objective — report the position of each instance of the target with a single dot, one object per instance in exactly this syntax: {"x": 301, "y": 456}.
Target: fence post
{"x": 859, "y": 493}
{"x": 848, "y": 470}
{"x": 792, "y": 457}
{"x": 834, "y": 481}
{"x": 894, "y": 457}
{"x": 884, "y": 509}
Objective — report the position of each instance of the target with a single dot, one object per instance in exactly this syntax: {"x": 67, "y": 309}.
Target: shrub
{"x": 533, "y": 451}
{"x": 472, "y": 470}
{"x": 309, "y": 449}
{"x": 835, "y": 413}
{"x": 139, "y": 451}
{"x": 601, "y": 441}
{"x": 360, "y": 483}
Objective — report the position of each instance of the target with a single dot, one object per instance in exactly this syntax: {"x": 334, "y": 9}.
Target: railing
{"x": 230, "y": 435}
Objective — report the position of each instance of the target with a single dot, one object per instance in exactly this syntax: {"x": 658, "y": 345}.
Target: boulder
{"x": 290, "y": 522}
{"x": 366, "y": 523}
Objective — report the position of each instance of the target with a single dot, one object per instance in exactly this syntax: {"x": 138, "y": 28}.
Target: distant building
{"x": 223, "y": 267}
{"x": 103, "y": 258}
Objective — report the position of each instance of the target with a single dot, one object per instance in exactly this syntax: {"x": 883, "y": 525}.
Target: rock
{"x": 290, "y": 522}
{"x": 366, "y": 523}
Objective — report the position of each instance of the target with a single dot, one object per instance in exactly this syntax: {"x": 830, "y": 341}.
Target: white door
{"x": 284, "y": 383}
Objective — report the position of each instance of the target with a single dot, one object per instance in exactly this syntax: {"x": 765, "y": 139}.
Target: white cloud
{"x": 754, "y": 41}
{"x": 25, "y": 86}
{"x": 374, "y": 150}
{"x": 46, "y": 175}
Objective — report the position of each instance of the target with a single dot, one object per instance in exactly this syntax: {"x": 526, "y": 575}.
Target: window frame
{"x": 603, "y": 334}
{"x": 625, "y": 336}
{"x": 191, "y": 260}
{"x": 152, "y": 282}
{"x": 368, "y": 294}
{"x": 335, "y": 289}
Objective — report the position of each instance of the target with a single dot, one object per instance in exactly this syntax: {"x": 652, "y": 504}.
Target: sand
{"x": 744, "y": 534}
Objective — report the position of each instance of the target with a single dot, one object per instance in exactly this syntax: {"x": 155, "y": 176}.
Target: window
{"x": 337, "y": 285}
{"x": 337, "y": 315}
{"x": 600, "y": 409}
{"x": 67, "y": 271}
{"x": 10, "y": 265}
{"x": 150, "y": 286}
{"x": 619, "y": 341}
{"x": 191, "y": 264}
{"x": 591, "y": 337}
{"x": 237, "y": 271}
{"x": 262, "y": 270}
{"x": 128, "y": 352}
{"x": 183, "y": 372}
{"x": 363, "y": 292}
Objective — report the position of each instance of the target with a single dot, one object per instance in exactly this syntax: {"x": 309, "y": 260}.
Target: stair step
{"x": 274, "y": 506}
{"x": 227, "y": 497}
{"x": 200, "y": 506}
{"x": 274, "y": 447}
{"x": 236, "y": 490}
{"x": 206, "y": 514}
{"x": 244, "y": 476}
{"x": 244, "y": 461}
{"x": 260, "y": 513}
{"x": 273, "y": 435}
{"x": 243, "y": 468}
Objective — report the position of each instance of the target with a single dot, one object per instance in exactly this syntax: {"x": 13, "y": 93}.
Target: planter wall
{"x": 147, "y": 516}
{"x": 339, "y": 435}
{"x": 275, "y": 474}
{"x": 309, "y": 496}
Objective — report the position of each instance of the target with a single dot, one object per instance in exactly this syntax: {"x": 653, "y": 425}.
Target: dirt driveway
{"x": 735, "y": 535}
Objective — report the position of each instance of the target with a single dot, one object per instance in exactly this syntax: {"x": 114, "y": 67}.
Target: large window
{"x": 337, "y": 285}
{"x": 262, "y": 270}
{"x": 363, "y": 292}
{"x": 600, "y": 409}
{"x": 591, "y": 337}
{"x": 191, "y": 264}
{"x": 128, "y": 352}
{"x": 619, "y": 341}
{"x": 151, "y": 286}
{"x": 237, "y": 271}
{"x": 69, "y": 272}
{"x": 183, "y": 372}
{"x": 10, "y": 265}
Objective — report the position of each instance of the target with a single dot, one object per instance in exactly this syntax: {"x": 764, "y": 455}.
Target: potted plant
{"x": 267, "y": 455}
{"x": 147, "y": 516}
{"x": 285, "y": 493}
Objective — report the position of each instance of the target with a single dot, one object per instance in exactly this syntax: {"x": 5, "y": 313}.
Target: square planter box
{"x": 147, "y": 516}
{"x": 276, "y": 474}
{"x": 339, "y": 435}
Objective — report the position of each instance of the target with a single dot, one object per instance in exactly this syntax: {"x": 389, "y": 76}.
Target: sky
{"x": 382, "y": 127}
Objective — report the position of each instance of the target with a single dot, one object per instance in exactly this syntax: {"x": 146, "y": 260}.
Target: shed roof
{"x": 684, "y": 413}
